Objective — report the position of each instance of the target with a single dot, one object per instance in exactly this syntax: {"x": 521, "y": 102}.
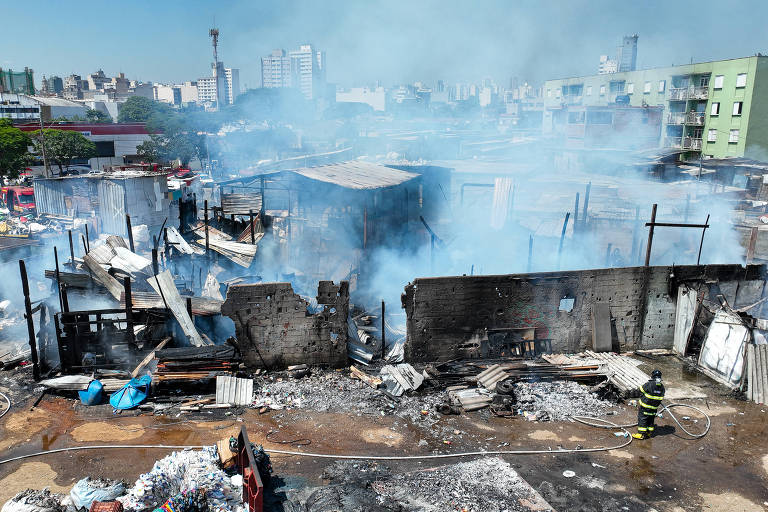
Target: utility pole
{"x": 42, "y": 144}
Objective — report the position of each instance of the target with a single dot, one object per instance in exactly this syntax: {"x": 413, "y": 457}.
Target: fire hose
{"x": 586, "y": 420}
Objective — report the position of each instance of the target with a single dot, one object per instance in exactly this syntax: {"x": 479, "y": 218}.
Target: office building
{"x": 21, "y": 82}
{"x": 626, "y": 56}
{"x": 276, "y": 70}
{"x": 710, "y": 109}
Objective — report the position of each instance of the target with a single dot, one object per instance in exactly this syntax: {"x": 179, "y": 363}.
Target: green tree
{"x": 97, "y": 116}
{"x": 63, "y": 146}
{"x": 136, "y": 109}
{"x": 14, "y": 154}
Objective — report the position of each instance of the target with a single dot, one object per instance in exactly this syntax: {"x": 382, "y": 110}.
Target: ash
{"x": 560, "y": 400}
{"x": 488, "y": 485}
{"x": 334, "y": 391}
{"x": 40, "y": 501}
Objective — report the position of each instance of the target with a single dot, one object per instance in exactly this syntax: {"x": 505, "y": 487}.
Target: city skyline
{"x": 392, "y": 42}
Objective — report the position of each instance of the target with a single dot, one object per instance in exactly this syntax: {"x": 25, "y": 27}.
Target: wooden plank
{"x": 163, "y": 284}
{"x": 112, "y": 285}
{"x": 149, "y": 358}
{"x": 372, "y": 381}
{"x": 763, "y": 370}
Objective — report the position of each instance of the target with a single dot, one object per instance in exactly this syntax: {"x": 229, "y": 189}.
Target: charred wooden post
{"x": 87, "y": 239}
{"x": 650, "y": 236}
{"x": 205, "y": 217}
{"x": 253, "y": 235}
{"x": 85, "y": 244}
{"x": 586, "y": 206}
{"x": 751, "y": 246}
{"x": 562, "y": 239}
{"x": 58, "y": 276}
{"x": 71, "y": 249}
{"x": 701, "y": 244}
{"x": 155, "y": 264}
{"x": 576, "y": 214}
{"x": 64, "y": 299}
{"x": 30, "y": 322}
{"x": 189, "y": 308}
{"x": 166, "y": 246}
{"x": 383, "y": 331}
{"x": 130, "y": 232}
{"x": 129, "y": 309}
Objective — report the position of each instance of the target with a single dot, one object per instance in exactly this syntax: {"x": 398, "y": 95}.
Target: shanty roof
{"x": 356, "y": 175}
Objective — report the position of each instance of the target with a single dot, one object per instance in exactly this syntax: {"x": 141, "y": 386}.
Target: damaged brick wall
{"x": 456, "y": 317}
{"x": 274, "y": 327}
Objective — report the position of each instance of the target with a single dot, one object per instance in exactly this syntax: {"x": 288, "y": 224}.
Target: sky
{"x": 393, "y": 41}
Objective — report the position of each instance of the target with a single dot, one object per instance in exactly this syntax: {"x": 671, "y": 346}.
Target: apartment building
{"x": 303, "y": 69}
{"x": 712, "y": 109}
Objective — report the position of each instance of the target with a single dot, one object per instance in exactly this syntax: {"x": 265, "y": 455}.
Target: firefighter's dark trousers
{"x": 645, "y": 422}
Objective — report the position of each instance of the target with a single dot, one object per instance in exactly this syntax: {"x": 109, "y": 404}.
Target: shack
{"x": 106, "y": 198}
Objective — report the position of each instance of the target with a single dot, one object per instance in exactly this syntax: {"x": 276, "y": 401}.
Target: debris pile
{"x": 35, "y": 501}
{"x": 559, "y": 400}
{"x": 184, "y": 472}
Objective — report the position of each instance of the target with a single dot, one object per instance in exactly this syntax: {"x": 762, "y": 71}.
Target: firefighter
{"x": 650, "y": 400}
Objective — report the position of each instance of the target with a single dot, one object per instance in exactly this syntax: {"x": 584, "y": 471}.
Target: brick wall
{"x": 274, "y": 327}
{"x": 455, "y": 317}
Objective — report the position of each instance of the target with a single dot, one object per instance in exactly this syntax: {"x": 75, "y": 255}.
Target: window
{"x": 617, "y": 87}
{"x": 734, "y": 136}
{"x": 589, "y": 90}
{"x": 557, "y": 93}
{"x": 737, "y": 107}
{"x": 630, "y": 88}
{"x": 712, "y": 135}
{"x": 662, "y": 85}
{"x": 602, "y": 90}
{"x": 715, "y": 109}
{"x": 647, "y": 87}
{"x": 704, "y": 81}
{"x": 741, "y": 80}
{"x": 718, "y": 81}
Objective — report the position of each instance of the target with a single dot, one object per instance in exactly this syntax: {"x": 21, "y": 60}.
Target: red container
{"x": 106, "y": 506}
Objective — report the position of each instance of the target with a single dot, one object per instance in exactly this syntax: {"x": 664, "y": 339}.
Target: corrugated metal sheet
{"x": 233, "y": 391}
{"x": 357, "y": 175}
{"x": 112, "y": 200}
{"x": 49, "y": 197}
{"x": 240, "y": 204}
{"x": 492, "y": 376}
{"x": 757, "y": 373}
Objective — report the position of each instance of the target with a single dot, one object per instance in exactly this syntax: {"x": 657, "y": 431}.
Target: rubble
{"x": 559, "y": 401}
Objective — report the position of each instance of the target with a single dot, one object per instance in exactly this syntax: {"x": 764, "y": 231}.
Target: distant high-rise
{"x": 627, "y": 54}
{"x": 303, "y": 69}
{"x": 233, "y": 84}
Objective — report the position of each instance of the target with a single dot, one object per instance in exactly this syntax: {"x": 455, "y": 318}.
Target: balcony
{"x": 672, "y": 142}
{"x": 695, "y": 118}
{"x": 676, "y": 118}
{"x": 688, "y": 93}
{"x": 678, "y": 94}
{"x": 692, "y": 143}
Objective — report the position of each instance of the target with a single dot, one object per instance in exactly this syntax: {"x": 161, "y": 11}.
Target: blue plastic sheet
{"x": 132, "y": 394}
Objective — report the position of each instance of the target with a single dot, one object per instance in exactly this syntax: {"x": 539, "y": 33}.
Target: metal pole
{"x": 576, "y": 214}
{"x": 85, "y": 244}
{"x": 30, "y": 322}
{"x": 432, "y": 254}
{"x": 530, "y": 253}
{"x": 130, "y": 232}
{"x": 383, "y": 332}
{"x": 701, "y": 244}
{"x": 562, "y": 239}
{"x": 650, "y": 236}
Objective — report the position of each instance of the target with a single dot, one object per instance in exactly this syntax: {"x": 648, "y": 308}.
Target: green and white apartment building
{"x": 713, "y": 109}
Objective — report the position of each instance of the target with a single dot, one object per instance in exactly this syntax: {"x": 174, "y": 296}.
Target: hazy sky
{"x": 390, "y": 40}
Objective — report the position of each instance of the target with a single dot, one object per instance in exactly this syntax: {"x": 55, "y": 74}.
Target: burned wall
{"x": 466, "y": 316}
{"x": 275, "y": 327}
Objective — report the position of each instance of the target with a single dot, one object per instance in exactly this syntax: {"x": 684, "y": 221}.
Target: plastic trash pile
{"x": 186, "y": 472}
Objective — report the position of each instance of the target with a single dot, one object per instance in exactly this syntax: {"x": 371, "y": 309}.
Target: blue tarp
{"x": 132, "y": 394}
{"x": 93, "y": 395}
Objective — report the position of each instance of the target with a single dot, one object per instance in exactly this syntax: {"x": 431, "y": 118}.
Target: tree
{"x": 63, "y": 146}
{"x": 97, "y": 116}
{"x": 14, "y": 154}
{"x": 136, "y": 109}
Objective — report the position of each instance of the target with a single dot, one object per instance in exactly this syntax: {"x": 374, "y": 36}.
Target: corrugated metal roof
{"x": 357, "y": 175}
{"x": 234, "y": 391}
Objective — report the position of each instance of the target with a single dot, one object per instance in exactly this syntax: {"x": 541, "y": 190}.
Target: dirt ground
{"x": 727, "y": 470}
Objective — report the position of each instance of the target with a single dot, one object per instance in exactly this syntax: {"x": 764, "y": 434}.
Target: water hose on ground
{"x": 9, "y": 404}
{"x": 586, "y": 420}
